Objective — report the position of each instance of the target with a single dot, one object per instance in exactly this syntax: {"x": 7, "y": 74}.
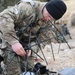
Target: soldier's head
{"x": 54, "y": 10}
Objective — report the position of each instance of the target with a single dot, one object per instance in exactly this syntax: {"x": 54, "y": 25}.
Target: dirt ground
{"x": 64, "y": 56}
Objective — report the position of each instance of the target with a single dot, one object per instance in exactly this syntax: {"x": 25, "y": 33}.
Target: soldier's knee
{"x": 2, "y": 65}
{"x": 3, "y": 68}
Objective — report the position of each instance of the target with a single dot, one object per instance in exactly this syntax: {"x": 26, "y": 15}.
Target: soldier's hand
{"x": 28, "y": 52}
{"x": 18, "y": 49}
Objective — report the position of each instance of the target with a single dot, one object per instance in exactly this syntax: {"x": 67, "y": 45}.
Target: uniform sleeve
{"x": 7, "y": 28}
{"x": 11, "y": 15}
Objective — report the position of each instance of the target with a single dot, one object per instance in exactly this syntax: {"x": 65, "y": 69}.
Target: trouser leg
{"x": 26, "y": 65}
{"x": 2, "y": 65}
{"x": 14, "y": 65}
{"x": 11, "y": 62}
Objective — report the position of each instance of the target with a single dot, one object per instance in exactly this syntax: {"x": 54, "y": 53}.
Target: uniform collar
{"x": 40, "y": 9}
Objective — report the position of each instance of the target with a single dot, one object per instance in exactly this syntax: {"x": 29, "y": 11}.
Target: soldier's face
{"x": 46, "y": 15}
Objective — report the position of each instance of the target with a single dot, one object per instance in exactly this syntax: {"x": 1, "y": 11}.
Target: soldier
{"x": 65, "y": 30}
{"x": 13, "y": 18}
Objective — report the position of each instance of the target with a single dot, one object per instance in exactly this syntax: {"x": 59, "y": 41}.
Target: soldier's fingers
{"x": 21, "y": 52}
{"x": 28, "y": 52}
{"x": 18, "y": 52}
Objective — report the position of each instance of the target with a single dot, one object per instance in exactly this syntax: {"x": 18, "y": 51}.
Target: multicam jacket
{"x": 24, "y": 12}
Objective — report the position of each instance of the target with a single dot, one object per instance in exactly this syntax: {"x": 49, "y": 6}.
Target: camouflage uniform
{"x": 11, "y": 18}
